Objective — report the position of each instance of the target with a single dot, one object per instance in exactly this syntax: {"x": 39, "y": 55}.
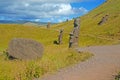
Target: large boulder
{"x": 25, "y": 49}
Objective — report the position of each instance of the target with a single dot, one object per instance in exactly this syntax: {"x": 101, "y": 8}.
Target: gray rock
{"x": 103, "y": 20}
{"x": 74, "y": 36}
{"x": 60, "y": 37}
{"x": 48, "y": 25}
{"x": 25, "y": 49}
{"x": 77, "y": 22}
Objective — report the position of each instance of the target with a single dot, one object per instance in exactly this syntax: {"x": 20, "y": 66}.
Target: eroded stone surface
{"x": 25, "y": 49}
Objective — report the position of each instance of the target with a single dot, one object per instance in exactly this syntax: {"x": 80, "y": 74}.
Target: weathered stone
{"x": 25, "y": 49}
{"x": 75, "y": 33}
{"x": 76, "y": 22}
{"x": 60, "y": 36}
{"x": 48, "y": 25}
{"x": 76, "y": 36}
{"x": 71, "y": 40}
{"x": 103, "y": 20}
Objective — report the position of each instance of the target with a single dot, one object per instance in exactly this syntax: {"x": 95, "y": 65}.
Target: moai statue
{"x": 76, "y": 22}
{"x": 76, "y": 31}
{"x": 48, "y": 25}
{"x": 74, "y": 35}
{"x": 103, "y": 20}
{"x": 71, "y": 40}
{"x": 60, "y": 36}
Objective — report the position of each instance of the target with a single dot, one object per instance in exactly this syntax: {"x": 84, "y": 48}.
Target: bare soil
{"x": 102, "y": 66}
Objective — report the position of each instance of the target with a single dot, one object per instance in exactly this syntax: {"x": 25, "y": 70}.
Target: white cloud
{"x": 39, "y": 8}
{"x": 26, "y": 4}
{"x": 43, "y": 1}
{"x": 37, "y": 20}
{"x": 80, "y": 10}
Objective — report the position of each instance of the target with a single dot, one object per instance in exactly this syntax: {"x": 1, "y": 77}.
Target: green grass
{"x": 55, "y": 56}
{"x": 117, "y": 77}
{"x": 8, "y": 32}
{"x": 59, "y": 56}
{"x": 50, "y": 63}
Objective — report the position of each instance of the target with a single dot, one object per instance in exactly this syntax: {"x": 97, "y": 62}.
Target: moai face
{"x": 71, "y": 40}
{"x": 76, "y": 22}
{"x": 60, "y": 36}
{"x": 103, "y": 20}
{"x": 71, "y": 37}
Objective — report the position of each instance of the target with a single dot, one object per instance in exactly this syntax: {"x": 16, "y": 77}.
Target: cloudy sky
{"x": 45, "y": 10}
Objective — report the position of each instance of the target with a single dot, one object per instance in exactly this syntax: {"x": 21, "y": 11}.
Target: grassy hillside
{"x": 93, "y": 34}
{"x": 90, "y": 31}
{"x": 55, "y": 56}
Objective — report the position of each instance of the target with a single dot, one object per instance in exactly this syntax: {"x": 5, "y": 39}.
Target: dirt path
{"x": 102, "y": 66}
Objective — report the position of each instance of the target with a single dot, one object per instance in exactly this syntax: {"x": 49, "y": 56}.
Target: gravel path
{"x": 104, "y": 64}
